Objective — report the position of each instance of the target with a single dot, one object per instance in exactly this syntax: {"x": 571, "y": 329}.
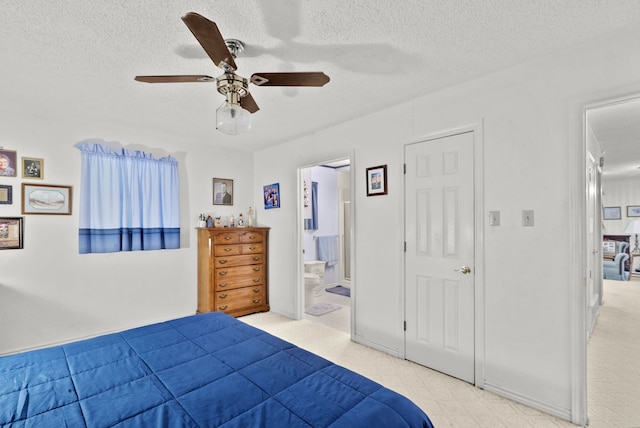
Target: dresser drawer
{"x": 226, "y": 238}
{"x": 235, "y": 277}
{"x": 250, "y": 259}
{"x": 248, "y": 237}
{"x": 228, "y": 301}
{"x": 234, "y": 250}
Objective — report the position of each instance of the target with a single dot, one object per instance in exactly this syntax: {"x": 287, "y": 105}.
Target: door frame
{"x": 578, "y": 241}
{"x": 299, "y": 237}
{"x": 477, "y": 128}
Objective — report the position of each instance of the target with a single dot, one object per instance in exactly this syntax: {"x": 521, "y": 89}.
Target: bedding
{"x": 205, "y": 370}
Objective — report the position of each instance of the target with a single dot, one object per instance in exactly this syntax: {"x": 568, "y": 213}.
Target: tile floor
{"x": 613, "y": 359}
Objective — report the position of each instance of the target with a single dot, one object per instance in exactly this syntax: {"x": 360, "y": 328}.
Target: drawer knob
{"x": 222, "y": 284}
{"x": 223, "y": 261}
{"x": 256, "y": 279}
{"x": 256, "y": 290}
{"x": 252, "y": 236}
{"x": 257, "y": 269}
{"x": 256, "y": 258}
{"x": 223, "y": 307}
{"x": 227, "y": 249}
{"x": 252, "y": 248}
{"x": 227, "y": 238}
{"x": 223, "y": 296}
{"x": 222, "y": 273}
{"x": 256, "y": 300}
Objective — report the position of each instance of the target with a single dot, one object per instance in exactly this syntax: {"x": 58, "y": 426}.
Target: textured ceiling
{"x": 78, "y": 58}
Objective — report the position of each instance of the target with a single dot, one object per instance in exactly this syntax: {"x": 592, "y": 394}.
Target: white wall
{"x": 49, "y": 292}
{"x": 530, "y": 151}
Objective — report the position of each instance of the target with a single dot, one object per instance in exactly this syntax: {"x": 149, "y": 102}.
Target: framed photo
{"x": 46, "y": 199}
{"x": 8, "y": 163}
{"x": 377, "y": 180}
{"x": 10, "y": 233}
{"x": 6, "y": 195}
{"x": 222, "y": 191}
{"x": 33, "y": 168}
{"x": 633, "y": 210}
{"x": 272, "y": 196}
{"x": 612, "y": 213}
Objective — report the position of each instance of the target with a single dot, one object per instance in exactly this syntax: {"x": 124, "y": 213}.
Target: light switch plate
{"x": 494, "y": 218}
{"x": 527, "y": 218}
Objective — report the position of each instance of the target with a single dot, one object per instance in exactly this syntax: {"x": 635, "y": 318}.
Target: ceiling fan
{"x": 234, "y": 116}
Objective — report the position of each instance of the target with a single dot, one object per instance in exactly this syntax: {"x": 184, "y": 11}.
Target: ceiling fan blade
{"x": 248, "y": 103}
{"x": 310, "y": 78}
{"x": 209, "y": 37}
{"x": 175, "y": 79}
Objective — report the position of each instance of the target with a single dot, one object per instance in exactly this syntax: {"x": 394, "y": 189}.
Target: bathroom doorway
{"x": 326, "y": 244}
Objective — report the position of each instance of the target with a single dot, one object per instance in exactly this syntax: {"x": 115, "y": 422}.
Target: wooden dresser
{"x": 232, "y": 270}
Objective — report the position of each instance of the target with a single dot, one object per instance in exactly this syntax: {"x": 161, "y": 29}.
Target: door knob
{"x": 464, "y": 269}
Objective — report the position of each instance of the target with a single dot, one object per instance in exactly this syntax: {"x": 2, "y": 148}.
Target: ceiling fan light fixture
{"x": 231, "y": 119}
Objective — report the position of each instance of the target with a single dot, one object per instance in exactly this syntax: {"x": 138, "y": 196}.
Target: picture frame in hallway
{"x": 271, "y": 196}
{"x": 33, "y": 168}
{"x": 612, "y": 213}
{"x": 633, "y": 210}
{"x": 377, "y": 180}
{"x": 11, "y": 233}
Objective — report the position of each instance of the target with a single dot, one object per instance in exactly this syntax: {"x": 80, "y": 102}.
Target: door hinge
{"x": 404, "y": 168}
{"x": 405, "y": 246}
{"x": 405, "y": 326}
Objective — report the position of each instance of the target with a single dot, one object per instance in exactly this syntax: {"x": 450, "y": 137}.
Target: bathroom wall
{"x": 327, "y": 179}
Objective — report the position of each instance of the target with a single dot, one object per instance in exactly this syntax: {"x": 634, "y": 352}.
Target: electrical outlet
{"x": 527, "y": 218}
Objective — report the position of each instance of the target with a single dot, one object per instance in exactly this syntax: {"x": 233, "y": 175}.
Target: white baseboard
{"x": 361, "y": 340}
{"x": 528, "y": 401}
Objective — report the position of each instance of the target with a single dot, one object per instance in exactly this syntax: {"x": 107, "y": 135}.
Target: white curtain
{"x": 129, "y": 200}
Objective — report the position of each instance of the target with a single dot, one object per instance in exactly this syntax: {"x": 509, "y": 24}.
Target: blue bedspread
{"x": 205, "y": 370}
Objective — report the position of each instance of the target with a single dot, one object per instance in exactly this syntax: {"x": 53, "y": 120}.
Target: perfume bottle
{"x": 250, "y": 217}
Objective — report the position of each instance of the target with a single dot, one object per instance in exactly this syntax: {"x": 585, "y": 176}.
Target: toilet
{"x": 313, "y": 280}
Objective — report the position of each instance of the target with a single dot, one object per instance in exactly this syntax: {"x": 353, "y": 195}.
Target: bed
{"x": 205, "y": 370}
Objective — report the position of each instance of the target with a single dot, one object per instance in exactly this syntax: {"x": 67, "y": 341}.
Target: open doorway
{"x": 612, "y": 133}
{"x": 326, "y": 232}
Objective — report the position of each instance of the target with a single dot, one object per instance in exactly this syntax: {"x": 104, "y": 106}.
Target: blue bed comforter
{"x": 205, "y": 370}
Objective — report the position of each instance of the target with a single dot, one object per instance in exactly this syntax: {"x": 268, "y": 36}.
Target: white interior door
{"x": 439, "y": 262}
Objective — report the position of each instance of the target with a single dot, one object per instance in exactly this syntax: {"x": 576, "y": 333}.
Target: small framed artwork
{"x": 272, "y": 196}
{"x": 377, "y": 180}
{"x": 8, "y": 163}
{"x": 633, "y": 210}
{"x": 11, "y": 233}
{"x": 612, "y": 213}
{"x": 6, "y": 195}
{"x": 222, "y": 191}
{"x": 46, "y": 199}
{"x": 33, "y": 168}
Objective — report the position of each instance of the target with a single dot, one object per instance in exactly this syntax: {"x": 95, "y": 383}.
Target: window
{"x": 129, "y": 200}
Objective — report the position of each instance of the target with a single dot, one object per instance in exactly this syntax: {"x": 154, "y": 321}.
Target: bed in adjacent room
{"x": 205, "y": 370}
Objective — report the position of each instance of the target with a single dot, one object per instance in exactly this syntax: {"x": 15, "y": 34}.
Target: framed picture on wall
{"x": 6, "y": 195}
{"x": 33, "y": 168}
{"x": 46, "y": 199}
{"x": 612, "y": 213}
{"x": 633, "y": 210}
{"x": 11, "y": 233}
{"x": 222, "y": 191}
{"x": 271, "y": 196}
{"x": 377, "y": 180}
{"x": 8, "y": 163}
